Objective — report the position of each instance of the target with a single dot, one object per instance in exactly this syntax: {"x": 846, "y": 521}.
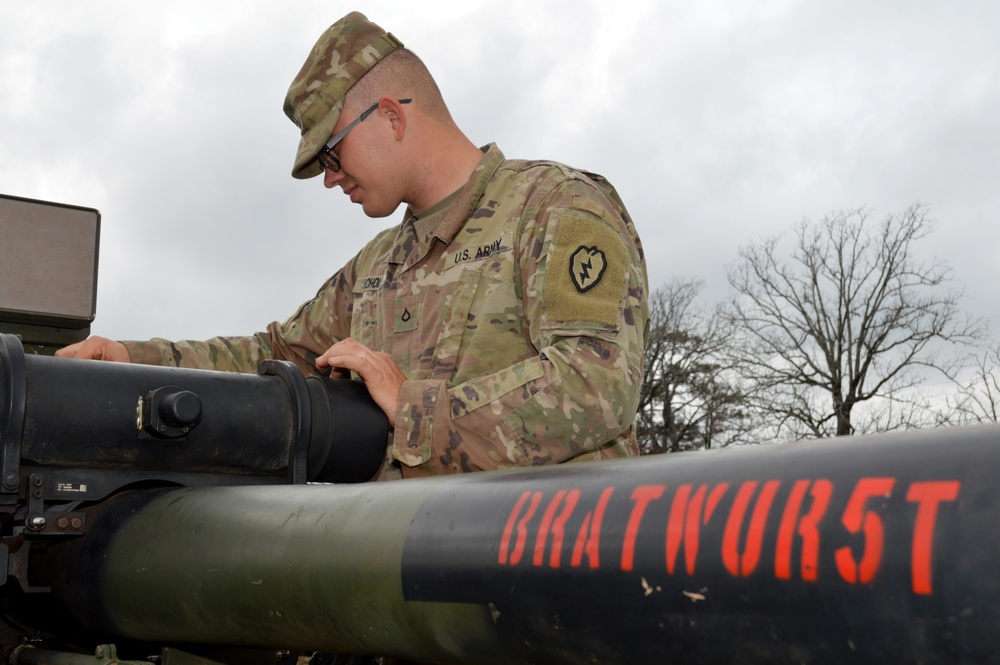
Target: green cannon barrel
{"x": 869, "y": 549}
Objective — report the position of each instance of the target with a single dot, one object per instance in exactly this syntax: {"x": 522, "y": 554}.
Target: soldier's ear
{"x": 392, "y": 110}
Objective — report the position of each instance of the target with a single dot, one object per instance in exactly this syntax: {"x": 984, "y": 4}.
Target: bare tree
{"x": 978, "y": 396}
{"x": 687, "y": 400}
{"x": 851, "y": 317}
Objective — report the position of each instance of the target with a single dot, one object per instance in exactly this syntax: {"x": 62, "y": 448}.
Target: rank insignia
{"x": 586, "y": 267}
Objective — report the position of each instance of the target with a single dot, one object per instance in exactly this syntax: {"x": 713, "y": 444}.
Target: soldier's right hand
{"x": 96, "y": 348}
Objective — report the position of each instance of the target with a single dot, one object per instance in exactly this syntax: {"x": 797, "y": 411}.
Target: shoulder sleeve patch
{"x": 586, "y": 273}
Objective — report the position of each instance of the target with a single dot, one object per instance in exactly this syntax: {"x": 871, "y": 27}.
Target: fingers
{"x": 70, "y": 351}
{"x": 378, "y": 370}
{"x": 345, "y": 348}
{"x": 96, "y": 348}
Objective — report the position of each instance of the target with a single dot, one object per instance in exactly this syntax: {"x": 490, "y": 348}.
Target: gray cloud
{"x": 719, "y": 123}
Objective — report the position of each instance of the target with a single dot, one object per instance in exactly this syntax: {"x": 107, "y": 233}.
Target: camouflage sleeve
{"x": 230, "y": 354}
{"x": 583, "y": 288}
{"x": 305, "y": 335}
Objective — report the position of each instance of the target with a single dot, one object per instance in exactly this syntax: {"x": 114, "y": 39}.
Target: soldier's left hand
{"x": 378, "y": 370}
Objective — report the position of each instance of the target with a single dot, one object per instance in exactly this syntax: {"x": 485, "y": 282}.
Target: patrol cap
{"x": 348, "y": 49}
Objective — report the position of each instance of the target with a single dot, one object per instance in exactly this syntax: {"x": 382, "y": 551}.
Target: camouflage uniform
{"x": 516, "y": 309}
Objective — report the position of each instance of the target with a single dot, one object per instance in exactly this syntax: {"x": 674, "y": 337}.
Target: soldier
{"x": 501, "y": 323}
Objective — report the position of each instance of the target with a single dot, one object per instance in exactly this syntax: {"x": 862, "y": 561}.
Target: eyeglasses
{"x": 330, "y": 161}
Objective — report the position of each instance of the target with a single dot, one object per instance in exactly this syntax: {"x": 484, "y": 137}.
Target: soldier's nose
{"x": 331, "y": 179}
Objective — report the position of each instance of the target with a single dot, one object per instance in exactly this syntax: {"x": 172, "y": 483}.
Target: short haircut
{"x": 403, "y": 75}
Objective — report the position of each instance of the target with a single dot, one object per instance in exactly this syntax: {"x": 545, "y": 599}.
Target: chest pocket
{"x": 454, "y": 302}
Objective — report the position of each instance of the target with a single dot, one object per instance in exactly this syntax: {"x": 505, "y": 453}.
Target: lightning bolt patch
{"x": 586, "y": 267}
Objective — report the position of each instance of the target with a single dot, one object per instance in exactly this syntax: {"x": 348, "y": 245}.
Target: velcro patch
{"x": 478, "y": 252}
{"x": 369, "y": 283}
{"x": 407, "y": 315}
{"x": 586, "y": 275}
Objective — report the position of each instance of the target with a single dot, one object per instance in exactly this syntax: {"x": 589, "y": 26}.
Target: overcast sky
{"x": 720, "y": 123}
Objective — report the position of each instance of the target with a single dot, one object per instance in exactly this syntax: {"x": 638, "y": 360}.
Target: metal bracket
{"x": 13, "y": 390}
{"x": 36, "y": 521}
{"x": 298, "y": 389}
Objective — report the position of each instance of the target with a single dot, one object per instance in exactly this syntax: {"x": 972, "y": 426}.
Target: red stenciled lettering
{"x": 641, "y": 495}
{"x": 521, "y": 526}
{"x": 543, "y": 529}
{"x": 683, "y": 523}
{"x": 509, "y": 528}
{"x": 807, "y": 529}
{"x": 927, "y": 496}
{"x": 856, "y": 519}
{"x": 557, "y": 528}
{"x": 743, "y": 564}
{"x": 589, "y": 539}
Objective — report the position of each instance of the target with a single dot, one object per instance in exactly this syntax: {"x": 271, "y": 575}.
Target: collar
{"x": 445, "y": 219}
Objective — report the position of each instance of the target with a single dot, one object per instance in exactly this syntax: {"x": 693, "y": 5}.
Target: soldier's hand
{"x": 96, "y": 348}
{"x": 378, "y": 370}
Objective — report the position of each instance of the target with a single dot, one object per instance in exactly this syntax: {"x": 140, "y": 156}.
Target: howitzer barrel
{"x": 62, "y": 419}
{"x": 869, "y": 549}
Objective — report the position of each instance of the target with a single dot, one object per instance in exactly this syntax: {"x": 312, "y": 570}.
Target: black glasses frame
{"x": 327, "y": 159}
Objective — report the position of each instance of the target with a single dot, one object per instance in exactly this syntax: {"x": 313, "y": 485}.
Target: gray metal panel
{"x": 48, "y": 259}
